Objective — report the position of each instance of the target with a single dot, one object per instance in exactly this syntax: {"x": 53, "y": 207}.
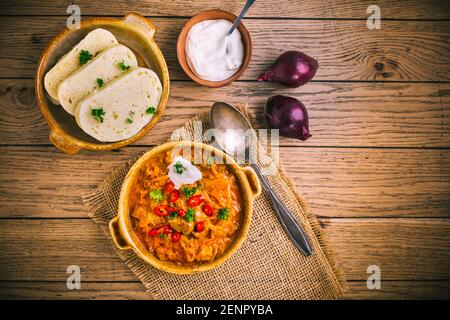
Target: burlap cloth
{"x": 267, "y": 266}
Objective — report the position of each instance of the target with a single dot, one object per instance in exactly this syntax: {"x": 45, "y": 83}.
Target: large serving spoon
{"x": 230, "y": 125}
{"x": 244, "y": 10}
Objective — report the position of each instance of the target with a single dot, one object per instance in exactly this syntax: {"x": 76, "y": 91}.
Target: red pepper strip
{"x": 162, "y": 210}
{"x": 200, "y": 226}
{"x": 167, "y": 230}
{"x": 155, "y": 231}
{"x": 174, "y": 196}
{"x": 208, "y": 210}
{"x": 195, "y": 200}
{"x": 176, "y": 237}
{"x": 181, "y": 212}
{"x": 169, "y": 187}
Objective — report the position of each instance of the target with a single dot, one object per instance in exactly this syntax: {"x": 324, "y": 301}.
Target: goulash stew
{"x": 185, "y": 213}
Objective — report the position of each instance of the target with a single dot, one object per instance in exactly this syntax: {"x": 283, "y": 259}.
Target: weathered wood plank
{"x": 346, "y": 50}
{"x": 136, "y": 291}
{"x": 337, "y": 182}
{"x": 377, "y": 183}
{"x": 436, "y": 290}
{"x": 88, "y": 291}
{"x": 403, "y": 9}
{"x": 341, "y": 114}
{"x": 406, "y": 244}
{"x": 405, "y": 249}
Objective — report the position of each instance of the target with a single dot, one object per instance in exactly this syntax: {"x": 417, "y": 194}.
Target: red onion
{"x": 292, "y": 68}
{"x": 289, "y": 115}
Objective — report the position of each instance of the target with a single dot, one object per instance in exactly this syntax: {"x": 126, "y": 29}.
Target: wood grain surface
{"x": 136, "y": 291}
{"x": 400, "y": 51}
{"x": 420, "y": 248}
{"x": 337, "y": 182}
{"x": 376, "y": 171}
{"x": 332, "y": 9}
{"x": 402, "y": 115}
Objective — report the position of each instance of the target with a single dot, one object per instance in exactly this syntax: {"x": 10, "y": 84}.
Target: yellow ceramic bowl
{"x": 134, "y": 31}
{"x": 125, "y": 237}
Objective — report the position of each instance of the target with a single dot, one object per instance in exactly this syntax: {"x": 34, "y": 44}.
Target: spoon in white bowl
{"x": 244, "y": 10}
{"x": 232, "y": 134}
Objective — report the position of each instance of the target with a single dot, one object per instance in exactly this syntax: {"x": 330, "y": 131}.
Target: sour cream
{"x": 211, "y": 54}
{"x": 182, "y": 171}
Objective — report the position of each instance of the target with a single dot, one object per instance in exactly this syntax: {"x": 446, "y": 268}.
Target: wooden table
{"x": 376, "y": 171}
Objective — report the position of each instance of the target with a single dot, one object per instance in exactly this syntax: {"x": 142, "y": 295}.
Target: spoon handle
{"x": 247, "y": 5}
{"x": 290, "y": 224}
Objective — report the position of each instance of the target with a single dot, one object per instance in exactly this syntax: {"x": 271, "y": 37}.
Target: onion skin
{"x": 289, "y": 116}
{"x": 292, "y": 68}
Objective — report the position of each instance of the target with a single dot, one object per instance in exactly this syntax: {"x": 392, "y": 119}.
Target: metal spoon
{"x": 225, "y": 117}
{"x": 247, "y": 6}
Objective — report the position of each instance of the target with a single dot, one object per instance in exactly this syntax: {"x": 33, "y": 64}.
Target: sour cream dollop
{"x": 211, "y": 54}
{"x": 182, "y": 171}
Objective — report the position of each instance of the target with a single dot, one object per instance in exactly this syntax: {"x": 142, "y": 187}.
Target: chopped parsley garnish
{"x": 172, "y": 215}
{"x": 129, "y": 120}
{"x": 188, "y": 191}
{"x": 84, "y": 57}
{"x": 210, "y": 161}
{"x": 150, "y": 110}
{"x": 100, "y": 82}
{"x": 98, "y": 114}
{"x": 123, "y": 66}
{"x": 189, "y": 217}
{"x": 179, "y": 167}
{"x": 162, "y": 235}
{"x": 156, "y": 195}
{"x": 224, "y": 213}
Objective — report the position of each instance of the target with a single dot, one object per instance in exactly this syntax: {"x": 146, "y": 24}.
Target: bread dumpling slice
{"x": 122, "y": 107}
{"x": 106, "y": 66}
{"x": 94, "y": 42}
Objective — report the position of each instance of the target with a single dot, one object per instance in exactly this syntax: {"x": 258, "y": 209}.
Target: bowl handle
{"x": 116, "y": 235}
{"x": 145, "y": 27}
{"x": 253, "y": 181}
{"x": 63, "y": 142}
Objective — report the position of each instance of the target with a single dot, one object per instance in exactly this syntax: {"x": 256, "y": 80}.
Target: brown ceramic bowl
{"x": 125, "y": 237}
{"x": 134, "y": 31}
{"x": 213, "y": 15}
